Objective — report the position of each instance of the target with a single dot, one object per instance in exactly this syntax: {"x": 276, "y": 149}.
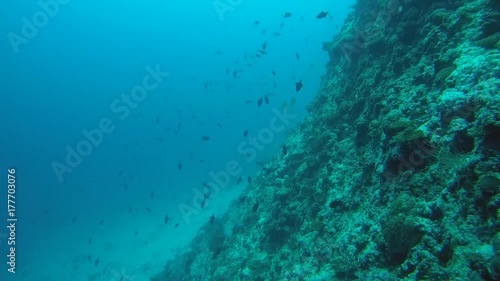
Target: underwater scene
{"x": 250, "y": 140}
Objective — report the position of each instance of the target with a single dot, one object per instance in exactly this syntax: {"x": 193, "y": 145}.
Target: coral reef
{"x": 394, "y": 174}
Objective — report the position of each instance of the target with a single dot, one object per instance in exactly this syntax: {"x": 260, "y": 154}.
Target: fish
{"x": 218, "y": 124}
{"x": 101, "y": 222}
{"x": 277, "y": 34}
{"x": 89, "y": 257}
{"x": 239, "y": 180}
{"x": 287, "y": 15}
{"x": 298, "y": 86}
{"x": 322, "y": 15}
{"x": 297, "y": 56}
{"x": 157, "y": 120}
{"x": 166, "y": 219}
{"x": 245, "y": 133}
{"x": 205, "y": 138}
{"x": 90, "y": 240}
{"x": 266, "y": 99}
{"x": 259, "y": 102}
{"x": 249, "y": 179}
{"x": 255, "y": 207}
{"x": 179, "y": 166}
{"x": 212, "y": 218}
{"x": 262, "y": 52}
{"x": 264, "y": 45}
{"x": 202, "y": 205}
{"x": 227, "y": 71}
{"x": 136, "y": 232}
{"x": 282, "y": 24}
{"x": 148, "y": 209}
{"x": 284, "y": 149}
{"x": 257, "y": 55}
{"x": 74, "y": 220}
{"x": 263, "y": 31}
{"x": 152, "y": 195}
{"x": 256, "y": 22}
{"x": 176, "y": 225}
{"x": 96, "y": 262}
{"x": 274, "y": 72}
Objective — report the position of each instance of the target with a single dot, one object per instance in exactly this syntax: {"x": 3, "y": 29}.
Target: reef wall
{"x": 394, "y": 174}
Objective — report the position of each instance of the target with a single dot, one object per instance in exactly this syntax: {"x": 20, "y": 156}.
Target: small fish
{"x": 89, "y": 257}
{"x": 282, "y": 24}
{"x": 227, "y": 71}
{"x": 274, "y": 73}
{"x": 249, "y": 179}
{"x": 148, "y": 209}
{"x": 212, "y": 218}
{"x": 101, "y": 222}
{"x": 284, "y": 149}
{"x": 264, "y": 45}
{"x": 176, "y": 225}
{"x": 206, "y": 184}
{"x": 205, "y": 138}
{"x": 322, "y": 15}
{"x": 277, "y": 34}
{"x": 262, "y": 52}
{"x": 297, "y": 56}
{"x": 245, "y": 133}
{"x": 179, "y": 166}
{"x": 239, "y": 180}
{"x": 235, "y": 73}
{"x": 298, "y": 86}
{"x": 218, "y": 124}
{"x": 255, "y": 207}
{"x": 74, "y": 220}
{"x": 90, "y": 240}
{"x": 152, "y": 195}
{"x": 166, "y": 219}
{"x": 266, "y": 99}
{"x": 257, "y": 55}
{"x": 256, "y": 22}
{"x": 202, "y": 205}
{"x": 157, "y": 120}
{"x": 136, "y": 232}
{"x": 96, "y": 262}
{"x": 259, "y": 102}
{"x": 263, "y": 31}
{"x": 287, "y": 15}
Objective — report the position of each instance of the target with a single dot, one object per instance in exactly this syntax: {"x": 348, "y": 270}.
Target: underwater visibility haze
{"x": 250, "y": 140}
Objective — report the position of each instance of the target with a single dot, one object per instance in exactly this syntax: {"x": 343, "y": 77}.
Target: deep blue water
{"x": 66, "y": 77}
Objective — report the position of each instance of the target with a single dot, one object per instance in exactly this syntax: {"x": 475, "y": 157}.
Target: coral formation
{"x": 394, "y": 173}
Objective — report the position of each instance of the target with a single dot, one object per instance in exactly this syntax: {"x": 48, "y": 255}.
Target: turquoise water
{"x": 92, "y": 169}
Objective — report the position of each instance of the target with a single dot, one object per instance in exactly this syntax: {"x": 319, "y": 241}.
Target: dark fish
{"x": 227, "y": 70}
{"x": 125, "y": 186}
{"x": 282, "y": 24}
{"x": 287, "y": 15}
{"x": 249, "y": 179}
{"x": 176, "y": 225}
{"x": 157, "y": 120}
{"x": 266, "y": 99}
{"x": 264, "y": 45}
{"x": 152, "y": 195}
{"x": 277, "y": 34}
{"x": 166, "y": 219}
{"x": 74, "y": 220}
{"x": 101, "y": 222}
{"x": 274, "y": 73}
{"x": 205, "y": 138}
{"x": 256, "y": 22}
{"x": 298, "y": 86}
{"x": 285, "y": 150}
{"x": 259, "y": 102}
{"x": 239, "y": 180}
{"x": 212, "y": 218}
{"x": 262, "y": 52}
{"x": 235, "y": 73}
{"x": 202, "y": 205}
{"x": 245, "y": 133}
{"x": 148, "y": 209}
{"x": 255, "y": 207}
{"x": 322, "y": 15}
{"x": 218, "y": 124}
{"x": 257, "y": 55}
{"x": 263, "y": 31}
{"x": 297, "y": 56}
{"x": 120, "y": 172}
{"x": 89, "y": 257}
{"x": 90, "y": 240}
{"x": 179, "y": 166}
{"x": 205, "y": 184}
{"x": 136, "y": 232}
{"x": 96, "y": 262}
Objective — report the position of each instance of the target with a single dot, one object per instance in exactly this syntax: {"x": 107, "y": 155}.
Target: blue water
{"x": 82, "y": 59}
